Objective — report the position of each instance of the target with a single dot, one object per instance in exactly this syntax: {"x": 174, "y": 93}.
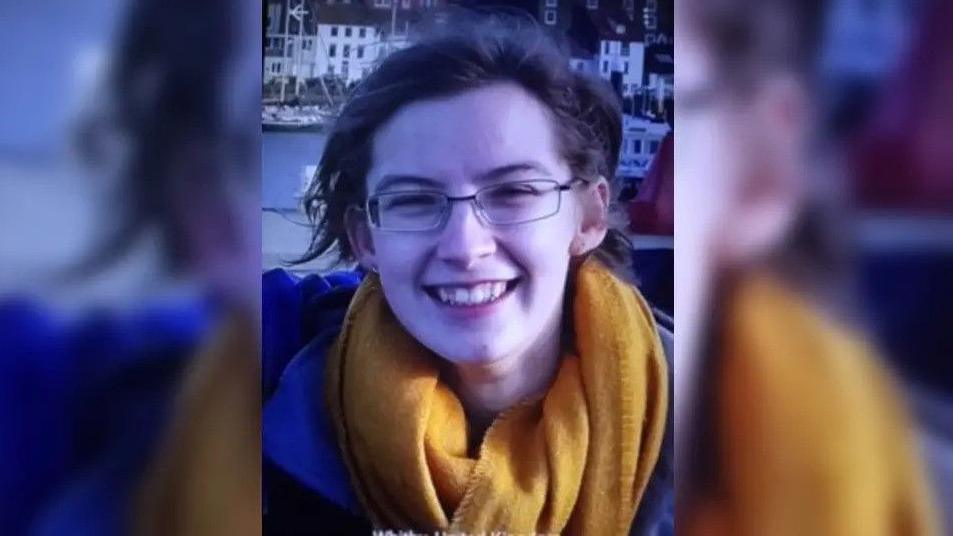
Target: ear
{"x": 593, "y": 224}
{"x": 359, "y": 237}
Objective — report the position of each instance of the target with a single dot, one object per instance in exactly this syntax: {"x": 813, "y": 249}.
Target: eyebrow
{"x": 389, "y": 181}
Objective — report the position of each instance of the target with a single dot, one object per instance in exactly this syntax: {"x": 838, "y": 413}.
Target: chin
{"x": 462, "y": 353}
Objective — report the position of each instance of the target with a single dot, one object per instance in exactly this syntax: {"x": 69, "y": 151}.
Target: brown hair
{"x": 747, "y": 38}
{"x": 586, "y": 115}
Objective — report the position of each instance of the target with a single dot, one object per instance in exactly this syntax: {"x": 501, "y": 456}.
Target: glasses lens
{"x": 520, "y": 202}
{"x": 409, "y": 211}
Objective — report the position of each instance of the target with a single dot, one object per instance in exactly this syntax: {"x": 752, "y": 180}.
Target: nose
{"x": 465, "y": 239}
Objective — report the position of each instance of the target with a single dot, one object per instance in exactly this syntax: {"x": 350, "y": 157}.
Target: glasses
{"x": 512, "y": 203}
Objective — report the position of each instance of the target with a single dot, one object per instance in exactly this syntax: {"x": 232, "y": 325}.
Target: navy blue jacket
{"x": 84, "y": 399}
{"x": 306, "y": 484}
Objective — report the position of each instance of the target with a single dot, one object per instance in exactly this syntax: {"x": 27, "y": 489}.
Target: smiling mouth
{"x": 483, "y": 293}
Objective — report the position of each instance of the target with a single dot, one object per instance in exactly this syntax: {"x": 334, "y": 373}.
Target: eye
{"x": 412, "y": 201}
{"x": 515, "y": 192}
{"x": 519, "y": 189}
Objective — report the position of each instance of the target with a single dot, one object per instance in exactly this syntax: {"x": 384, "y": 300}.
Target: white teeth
{"x": 475, "y": 295}
{"x": 497, "y": 290}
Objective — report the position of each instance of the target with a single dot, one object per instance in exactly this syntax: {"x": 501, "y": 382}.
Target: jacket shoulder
{"x": 294, "y": 311}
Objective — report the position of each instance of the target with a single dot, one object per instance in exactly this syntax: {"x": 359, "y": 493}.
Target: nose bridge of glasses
{"x": 471, "y": 203}
{"x": 465, "y": 236}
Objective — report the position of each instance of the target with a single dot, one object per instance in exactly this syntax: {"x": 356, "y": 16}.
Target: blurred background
{"x": 129, "y": 265}
{"x": 814, "y": 169}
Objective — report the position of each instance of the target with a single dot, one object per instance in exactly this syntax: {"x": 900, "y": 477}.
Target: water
{"x": 285, "y": 232}
{"x": 283, "y": 157}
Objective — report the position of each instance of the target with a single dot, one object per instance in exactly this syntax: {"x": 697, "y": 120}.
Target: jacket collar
{"x": 297, "y": 435}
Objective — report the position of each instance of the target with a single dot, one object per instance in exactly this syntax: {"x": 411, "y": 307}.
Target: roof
{"x": 359, "y": 13}
{"x": 354, "y": 14}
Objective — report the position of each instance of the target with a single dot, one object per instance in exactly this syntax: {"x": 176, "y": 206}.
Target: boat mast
{"x": 298, "y": 12}
{"x": 284, "y": 47}
{"x": 393, "y": 25}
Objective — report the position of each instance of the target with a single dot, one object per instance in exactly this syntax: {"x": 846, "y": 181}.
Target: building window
{"x": 331, "y": 69}
{"x": 653, "y": 147}
{"x": 550, "y": 16}
{"x": 347, "y": 51}
{"x": 551, "y": 3}
{"x": 360, "y": 51}
{"x": 347, "y": 31}
{"x": 637, "y": 146}
{"x": 334, "y": 31}
{"x": 592, "y": 4}
{"x": 625, "y": 67}
{"x": 625, "y": 48}
{"x": 362, "y": 33}
{"x": 605, "y": 47}
{"x": 274, "y": 14}
{"x": 605, "y": 66}
{"x": 332, "y": 50}
{"x": 290, "y": 50}
{"x": 344, "y": 68}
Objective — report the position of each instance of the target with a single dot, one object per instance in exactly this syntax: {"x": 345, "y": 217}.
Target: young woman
{"x": 493, "y": 370}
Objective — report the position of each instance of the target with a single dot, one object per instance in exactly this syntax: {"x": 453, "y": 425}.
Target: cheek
{"x": 542, "y": 251}
{"x": 399, "y": 262}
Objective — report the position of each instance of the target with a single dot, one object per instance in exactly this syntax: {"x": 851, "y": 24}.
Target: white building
{"x": 342, "y": 38}
{"x": 620, "y": 47}
{"x": 346, "y": 50}
{"x": 623, "y": 56}
{"x": 641, "y": 139}
{"x": 290, "y": 40}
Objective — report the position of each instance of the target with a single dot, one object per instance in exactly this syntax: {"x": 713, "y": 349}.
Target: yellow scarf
{"x": 577, "y": 461}
{"x": 810, "y": 437}
{"x": 206, "y": 478}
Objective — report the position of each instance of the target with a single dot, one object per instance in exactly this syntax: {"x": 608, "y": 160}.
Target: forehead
{"x": 457, "y": 138}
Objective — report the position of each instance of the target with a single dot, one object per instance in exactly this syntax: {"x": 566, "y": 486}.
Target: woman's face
{"x": 458, "y": 145}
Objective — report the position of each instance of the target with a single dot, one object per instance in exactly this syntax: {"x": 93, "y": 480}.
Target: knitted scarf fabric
{"x": 575, "y": 461}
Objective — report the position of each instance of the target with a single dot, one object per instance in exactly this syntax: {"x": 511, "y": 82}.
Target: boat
{"x": 294, "y": 119}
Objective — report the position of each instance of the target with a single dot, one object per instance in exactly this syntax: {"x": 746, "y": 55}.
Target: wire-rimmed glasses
{"x": 506, "y": 204}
